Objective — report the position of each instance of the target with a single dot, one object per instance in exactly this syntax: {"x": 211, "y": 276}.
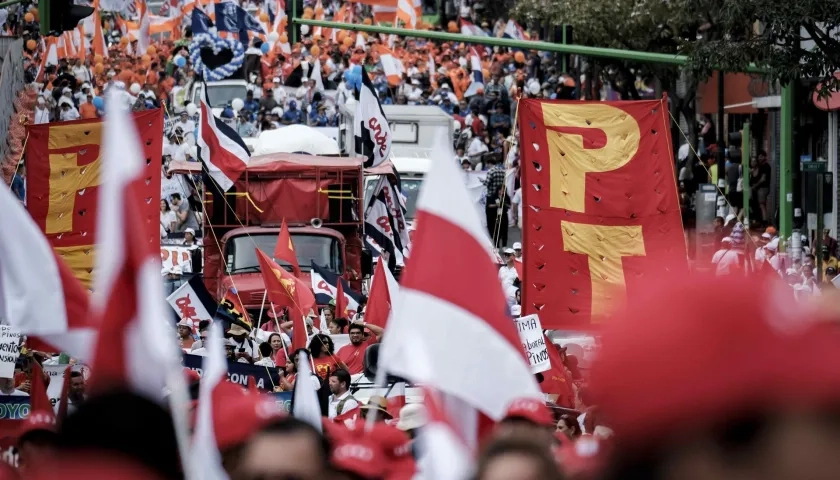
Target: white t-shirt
{"x": 477, "y": 147}
{"x": 167, "y": 219}
{"x": 517, "y": 199}
{"x": 507, "y": 275}
{"x": 726, "y": 261}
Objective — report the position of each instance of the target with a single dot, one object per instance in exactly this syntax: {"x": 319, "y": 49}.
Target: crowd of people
{"x": 585, "y": 432}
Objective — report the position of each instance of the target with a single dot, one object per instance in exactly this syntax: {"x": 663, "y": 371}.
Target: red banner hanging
{"x": 601, "y": 214}
{"x": 63, "y": 165}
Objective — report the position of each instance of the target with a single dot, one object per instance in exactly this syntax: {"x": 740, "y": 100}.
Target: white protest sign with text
{"x": 533, "y": 342}
{"x": 9, "y": 350}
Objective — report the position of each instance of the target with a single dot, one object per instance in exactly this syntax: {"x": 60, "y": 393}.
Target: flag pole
{"x": 262, "y": 308}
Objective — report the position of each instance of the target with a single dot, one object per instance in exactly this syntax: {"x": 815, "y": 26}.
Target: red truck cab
{"x": 319, "y": 197}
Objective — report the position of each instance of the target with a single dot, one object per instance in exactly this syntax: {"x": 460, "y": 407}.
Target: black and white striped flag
{"x": 373, "y": 134}
{"x": 385, "y": 223}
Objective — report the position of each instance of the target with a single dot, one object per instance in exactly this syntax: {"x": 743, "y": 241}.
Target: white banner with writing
{"x": 188, "y": 306}
{"x": 174, "y": 256}
{"x": 533, "y": 342}
{"x": 9, "y": 350}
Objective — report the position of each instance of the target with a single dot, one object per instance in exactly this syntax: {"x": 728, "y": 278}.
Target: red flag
{"x": 517, "y": 264}
{"x": 556, "y": 381}
{"x": 340, "y": 300}
{"x": 379, "y": 301}
{"x": 285, "y": 249}
{"x": 287, "y": 290}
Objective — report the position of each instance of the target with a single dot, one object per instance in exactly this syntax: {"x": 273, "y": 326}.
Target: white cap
{"x": 412, "y": 417}
{"x": 185, "y": 323}
{"x": 517, "y": 246}
{"x": 773, "y": 245}
{"x": 276, "y": 80}
{"x": 729, "y": 218}
{"x": 766, "y": 235}
{"x": 66, "y": 90}
{"x": 189, "y": 230}
{"x": 726, "y": 239}
{"x": 516, "y": 310}
{"x": 508, "y": 251}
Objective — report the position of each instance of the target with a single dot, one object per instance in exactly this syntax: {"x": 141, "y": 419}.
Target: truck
{"x": 414, "y": 128}
{"x": 319, "y": 197}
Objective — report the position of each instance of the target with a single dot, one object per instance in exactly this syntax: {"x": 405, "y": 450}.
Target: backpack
{"x": 339, "y": 409}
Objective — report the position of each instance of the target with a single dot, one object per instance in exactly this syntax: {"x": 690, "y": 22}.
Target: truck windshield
{"x": 322, "y": 249}
{"x": 410, "y": 189}
{"x": 221, "y": 95}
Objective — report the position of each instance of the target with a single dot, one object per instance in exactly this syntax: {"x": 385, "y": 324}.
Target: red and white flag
{"x": 466, "y": 302}
{"x": 220, "y": 147}
{"x": 206, "y": 459}
{"x": 39, "y": 296}
{"x": 136, "y": 348}
{"x": 396, "y": 399}
{"x": 444, "y": 453}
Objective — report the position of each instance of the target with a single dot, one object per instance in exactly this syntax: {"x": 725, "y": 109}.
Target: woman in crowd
{"x": 322, "y": 349}
{"x": 278, "y": 349}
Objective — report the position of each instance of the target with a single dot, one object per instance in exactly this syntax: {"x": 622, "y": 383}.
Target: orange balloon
{"x": 519, "y": 57}
{"x": 263, "y": 17}
{"x": 307, "y": 15}
{"x": 34, "y": 12}
{"x": 123, "y": 40}
{"x": 97, "y": 59}
{"x": 145, "y": 59}
{"x": 367, "y": 21}
{"x": 151, "y": 50}
{"x": 341, "y": 36}
{"x": 315, "y": 50}
{"x": 28, "y": 17}
{"x": 283, "y": 38}
{"x": 452, "y": 27}
{"x": 31, "y": 44}
{"x": 319, "y": 11}
{"x": 99, "y": 68}
{"x": 348, "y": 40}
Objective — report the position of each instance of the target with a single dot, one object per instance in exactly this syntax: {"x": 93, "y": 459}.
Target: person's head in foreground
{"x": 517, "y": 456}
{"x": 741, "y": 385}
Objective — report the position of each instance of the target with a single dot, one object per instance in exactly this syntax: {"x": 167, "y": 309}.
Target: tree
{"x": 793, "y": 40}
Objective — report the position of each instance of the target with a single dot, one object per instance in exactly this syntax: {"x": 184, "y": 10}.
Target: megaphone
{"x": 316, "y": 222}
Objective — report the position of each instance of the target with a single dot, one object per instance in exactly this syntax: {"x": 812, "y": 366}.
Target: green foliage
{"x": 792, "y": 39}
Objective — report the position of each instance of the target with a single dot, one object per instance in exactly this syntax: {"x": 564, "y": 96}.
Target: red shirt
{"x": 324, "y": 365}
{"x": 353, "y": 355}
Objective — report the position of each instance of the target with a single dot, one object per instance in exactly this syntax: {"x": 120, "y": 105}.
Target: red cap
{"x": 677, "y": 359}
{"x": 579, "y": 457}
{"x": 192, "y": 375}
{"x": 530, "y": 409}
{"x": 237, "y": 415}
{"x": 359, "y": 456}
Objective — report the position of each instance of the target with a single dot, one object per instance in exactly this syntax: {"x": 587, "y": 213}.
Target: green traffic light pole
{"x": 786, "y": 152}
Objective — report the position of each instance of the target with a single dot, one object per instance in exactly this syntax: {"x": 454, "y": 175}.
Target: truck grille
{"x": 255, "y": 297}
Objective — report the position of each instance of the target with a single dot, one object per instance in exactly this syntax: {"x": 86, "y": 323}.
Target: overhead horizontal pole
{"x": 636, "y": 56}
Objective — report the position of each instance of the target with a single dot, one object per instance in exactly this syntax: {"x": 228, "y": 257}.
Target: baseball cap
{"x": 359, "y": 456}
{"x": 531, "y": 409}
{"x": 508, "y": 251}
{"x": 238, "y": 415}
{"x": 189, "y": 230}
{"x": 517, "y": 246}
{"x": 753, "y": 338}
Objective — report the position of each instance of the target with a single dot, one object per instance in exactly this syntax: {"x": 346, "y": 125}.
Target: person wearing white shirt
{"x": 508, "y": 275}
{"x": 517, "y": 212}
{"x": 279, "y": 91}
{"x": 727, "y": 260}
{"x": 184, "y": 123}
{"x": 42, "y": 112}
{"x": 82, "y": 72}
{"x": 341, "y": 401}
{"x": 7, "y": 387}
{"x": 477, "y": 147}
{"x": 68, "y": 111}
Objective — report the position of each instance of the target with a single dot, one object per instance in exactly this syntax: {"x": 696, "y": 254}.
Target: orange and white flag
{"x": 390, "y": 64}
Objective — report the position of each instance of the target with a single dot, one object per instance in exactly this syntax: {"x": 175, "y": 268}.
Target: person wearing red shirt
{"x": 353, "y": 353}
{"x": 324, "y": 360}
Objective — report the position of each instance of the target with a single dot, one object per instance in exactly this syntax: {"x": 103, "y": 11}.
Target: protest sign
{"x": 266, "y": 377}
{"x": 9, "y": 350}
{"x": 172, "y": 256}
{"x": 14, "y": 407}
{"x": 533, "y": 342}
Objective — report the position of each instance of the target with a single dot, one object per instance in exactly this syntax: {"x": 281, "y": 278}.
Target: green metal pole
{"x": 786, "y": 164}
{"x": 294, "y": 20}
{"x": 565, "y": 70}
{"x": 745, "y": 170}
{"x": 9, "y": 3}
{"x": 629, "y": 55}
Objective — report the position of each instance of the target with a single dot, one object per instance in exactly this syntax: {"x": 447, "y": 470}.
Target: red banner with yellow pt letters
{"x": 601, "y": 214}
{"x": 63, "y": 161}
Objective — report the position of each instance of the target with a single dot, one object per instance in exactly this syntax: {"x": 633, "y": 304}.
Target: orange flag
{"x": 285, "y": 249}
